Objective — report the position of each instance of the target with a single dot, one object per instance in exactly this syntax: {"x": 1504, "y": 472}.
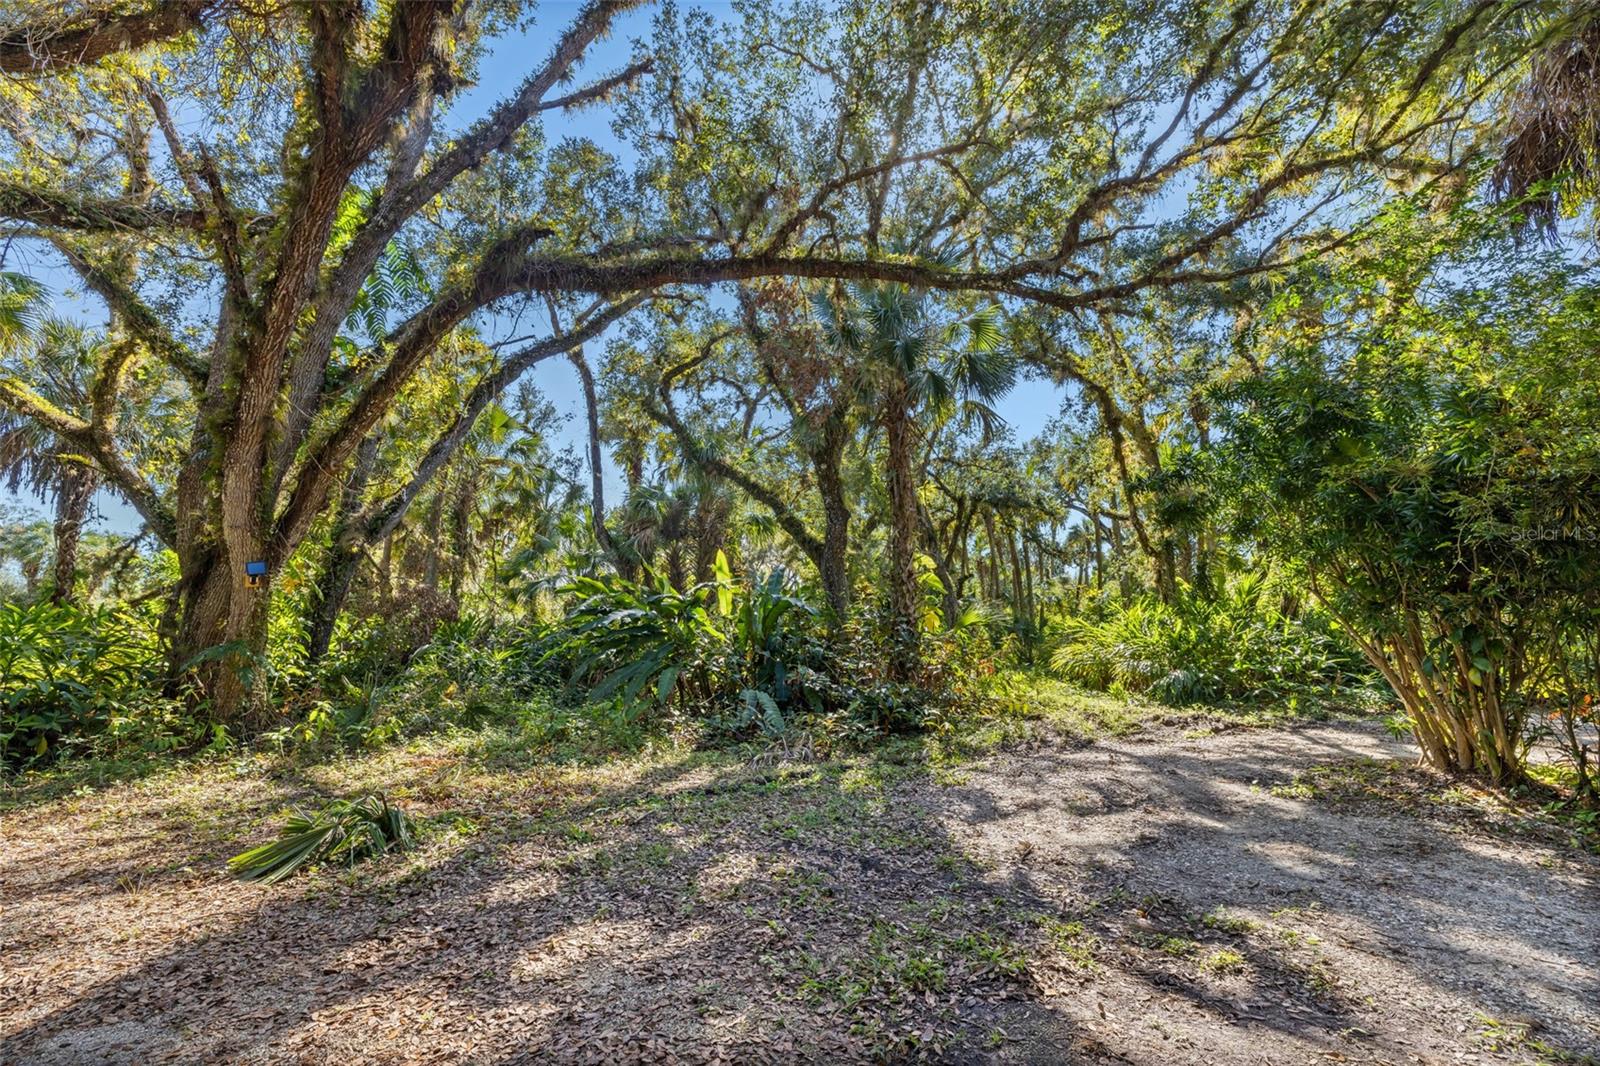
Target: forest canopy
{"x": 1307, "y": 277}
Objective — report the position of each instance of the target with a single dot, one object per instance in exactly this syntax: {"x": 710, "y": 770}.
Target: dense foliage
{"x": 1321, "y": 423}
{"x": 1236, "y": 646}
{"x": 1433, "y": 467}
{"x": 73, "y": 677}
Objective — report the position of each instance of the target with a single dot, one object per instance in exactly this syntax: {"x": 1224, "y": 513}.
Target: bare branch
{"x": 136, "y": 316}
{"x": 601, "y": 90}
{"x": 793, "y": 223}
{"x": 382, "y": 519}
{"x": 412, "y": 343}
{"x": 29, "y": 404}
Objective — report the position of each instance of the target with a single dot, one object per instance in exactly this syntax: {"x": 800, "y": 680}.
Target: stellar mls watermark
{"x": 1532, "y": 533}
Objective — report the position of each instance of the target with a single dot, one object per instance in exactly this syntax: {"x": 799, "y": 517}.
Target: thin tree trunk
{"x": 71, "y": 508}
{"x": 1028, "y": 559}
{"x": 950, "y": 607}
{"x": 1019, "y": 606}
{"x": 597, "y": 506}
{"x": 430, "y": 573}
{"x": 386, "y": 574}
{"x": 904, "y": 596}
{"x": 966, "y": 558}
{"x": 992, "y": 585}
{"x": 826, "y": 461}
{"x": 461, "y": 535}
{"x": 1099, "y": 551}
{"x": 344, "y": 557}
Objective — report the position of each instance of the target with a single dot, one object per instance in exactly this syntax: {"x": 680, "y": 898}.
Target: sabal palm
{"x": 917, "y": 363}
{"x": 57, "y": 359}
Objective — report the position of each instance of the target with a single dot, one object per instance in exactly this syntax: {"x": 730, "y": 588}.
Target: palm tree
{"x": 1551, "y": 157}
{"x": 57, "y": 358}
{"x": 918, "y": 363}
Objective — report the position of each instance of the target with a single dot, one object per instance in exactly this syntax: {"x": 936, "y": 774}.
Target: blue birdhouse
{"x": 254, "y": 574}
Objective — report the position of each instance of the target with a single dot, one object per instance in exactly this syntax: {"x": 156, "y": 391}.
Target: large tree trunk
{"x": 71, "y": 508}
{"x": 221, "y": 641}
{"x": 905, "y": 598}
{"x": 833, "y": 565}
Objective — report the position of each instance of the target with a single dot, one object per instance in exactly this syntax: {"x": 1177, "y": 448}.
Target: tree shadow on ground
{"x": 804, "y": 912}
{"x": 1351, "y": 905}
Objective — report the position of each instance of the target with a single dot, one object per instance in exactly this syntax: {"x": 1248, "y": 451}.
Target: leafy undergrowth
{"x": 1018, "y": 708}
{"x": 1542, "y": 809}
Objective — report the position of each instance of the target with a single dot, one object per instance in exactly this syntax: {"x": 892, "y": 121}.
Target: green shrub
{"x": 74, "y": 678}
{"x": 1434, "y": 471}
{"x": 723, "y": 652}
{"x": 1236, "y": 646}
{"x": 468, "y": 673}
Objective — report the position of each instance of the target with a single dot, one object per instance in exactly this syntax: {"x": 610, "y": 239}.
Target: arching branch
{"x": 91, "y": 35}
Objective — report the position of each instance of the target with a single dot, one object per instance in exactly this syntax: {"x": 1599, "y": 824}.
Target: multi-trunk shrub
{"x": 1431, "y": 465}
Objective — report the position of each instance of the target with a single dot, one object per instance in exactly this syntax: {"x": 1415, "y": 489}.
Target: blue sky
{"x": 509, "y": 60}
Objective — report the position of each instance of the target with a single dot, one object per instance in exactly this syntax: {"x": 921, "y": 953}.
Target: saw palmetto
{"x": 345, "y": 831}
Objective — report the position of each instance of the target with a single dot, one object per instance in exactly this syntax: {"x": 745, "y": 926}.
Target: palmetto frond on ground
{"x": 344, "y": 832}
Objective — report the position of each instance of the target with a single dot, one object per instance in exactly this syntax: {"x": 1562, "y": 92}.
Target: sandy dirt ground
{"x": 1166, "y": 898}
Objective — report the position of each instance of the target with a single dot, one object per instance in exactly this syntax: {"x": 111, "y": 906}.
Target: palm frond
{"x": 984, "y": 373}
{"x": 1552, "y": 145}
{"x": 345, "y": 831}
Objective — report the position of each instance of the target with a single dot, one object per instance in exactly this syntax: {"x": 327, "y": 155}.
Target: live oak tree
{"x": 279, "y": 407}
{"x": 1057, "y": 154}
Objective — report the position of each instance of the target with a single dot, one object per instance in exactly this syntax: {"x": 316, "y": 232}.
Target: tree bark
{"x": 430, "y": 574}
{"x": 904, "y": 595}
{"x": 220, "y": 645}
{"x": 1019, "y": 603}
{"x": 72, "y": 506}
{"x": 1099, "y": 551}
{"x": 461, "y": 534}
{"x": 993, "y": 538}
{"x": 625, "y": 564}
{"x": 833, "y": 566}
{"x": 344, "y": 556}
